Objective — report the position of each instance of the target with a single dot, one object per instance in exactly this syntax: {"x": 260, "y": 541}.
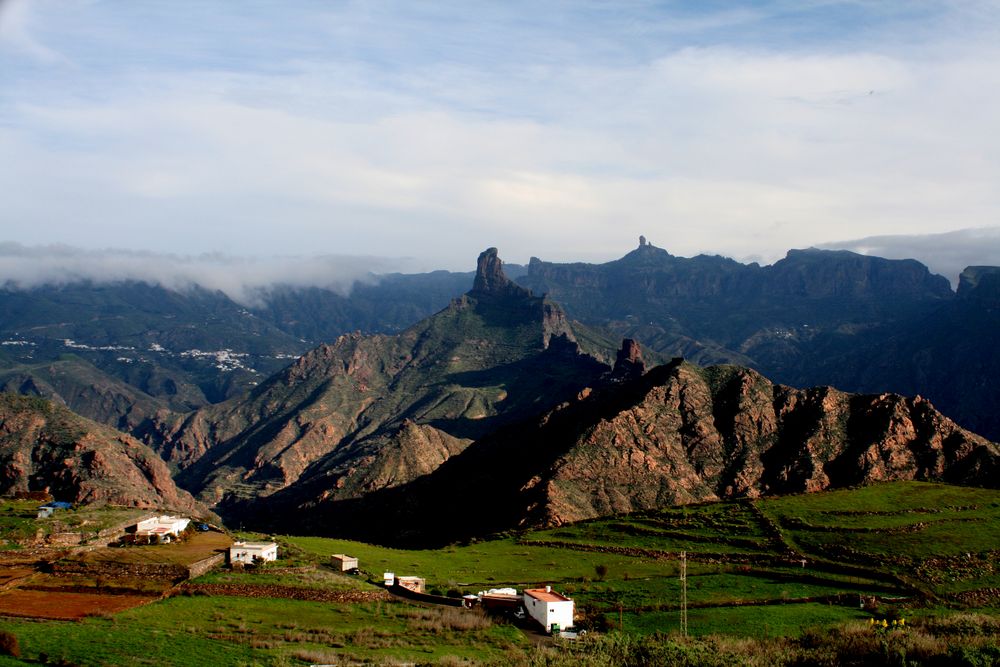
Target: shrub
{"x": 9, "y": 645}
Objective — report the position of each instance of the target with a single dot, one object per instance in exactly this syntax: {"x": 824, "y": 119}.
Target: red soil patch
{"x": 65, "y": 606}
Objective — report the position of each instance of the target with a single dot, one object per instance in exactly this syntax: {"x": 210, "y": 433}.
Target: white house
{"x": 163, "y": 528}
{"x": 248, "y": 552}
{"x": 415, "y": 584}
{"x": 549, "y": 608}
{"x": 343, "y": 562}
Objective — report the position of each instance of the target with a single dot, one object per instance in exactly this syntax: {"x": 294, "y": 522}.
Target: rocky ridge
{"x": 678, "y": 434}
{"x": 45, "y": 447}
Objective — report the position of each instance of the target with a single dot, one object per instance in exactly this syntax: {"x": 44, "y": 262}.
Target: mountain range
{"x": 529, "y": 409}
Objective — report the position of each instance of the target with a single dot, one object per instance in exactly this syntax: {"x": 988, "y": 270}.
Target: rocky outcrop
{"x": 729, "y": 432}
{"x": 628, "y": 363}
{"x": 980, "y": 283}
{"x": 490, "y": 278}
{"x": 45, "y": 447}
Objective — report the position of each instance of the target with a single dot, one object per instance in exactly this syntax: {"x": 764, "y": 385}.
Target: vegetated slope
{"x": 367, "y": 412}
{"x": 46, "y": 447}
{"x": 677, "y": 434}
{"x": 88, "y": 391}
{"x": 189, "y": 347}
{"x": 183, "y": 348}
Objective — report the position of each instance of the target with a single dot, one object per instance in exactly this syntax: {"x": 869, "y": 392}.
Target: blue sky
{"x": 563, "y": 129}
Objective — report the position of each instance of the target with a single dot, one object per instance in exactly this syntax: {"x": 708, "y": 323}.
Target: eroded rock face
{"x": 727, "y": 432}
{"x": 44, "y": 446}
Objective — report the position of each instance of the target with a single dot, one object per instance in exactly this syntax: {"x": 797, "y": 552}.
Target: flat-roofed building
{"x": 549, "y": 608}
{"x": 415, "y": 584}
{"x": 249, "y": 552}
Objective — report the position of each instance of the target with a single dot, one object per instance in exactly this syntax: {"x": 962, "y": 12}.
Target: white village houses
{"x": 248, "y": 552}
{"x": 549, "y": 608}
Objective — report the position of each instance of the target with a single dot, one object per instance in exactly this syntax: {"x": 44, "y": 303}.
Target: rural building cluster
{"x": 553, "y": 611}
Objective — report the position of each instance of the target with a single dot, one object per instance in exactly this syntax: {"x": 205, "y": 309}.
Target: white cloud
{"x": 243, "y": 279}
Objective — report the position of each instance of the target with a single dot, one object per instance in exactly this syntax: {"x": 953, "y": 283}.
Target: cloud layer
{"x": 243, "y": 279}
{"x": 947, "y": 254}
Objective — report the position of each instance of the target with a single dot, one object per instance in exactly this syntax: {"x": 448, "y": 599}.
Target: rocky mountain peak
{"x": 629, "y": 363}
{"x": 490, "y": 278}
{"x": 647, "y": 254}
{"x": 980, "y": 282}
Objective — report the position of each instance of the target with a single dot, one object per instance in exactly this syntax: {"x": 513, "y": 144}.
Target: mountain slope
{"x": 89, "y": 392}
{"x": 494, "y": 355}
{"x": 45, "y": 447}
{"x": 678, "y": 434}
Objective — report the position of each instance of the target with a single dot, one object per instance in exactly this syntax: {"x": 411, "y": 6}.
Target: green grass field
{"x": 202, "y": 630}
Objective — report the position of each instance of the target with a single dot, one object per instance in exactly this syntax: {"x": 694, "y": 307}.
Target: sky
{"x": 401, "y": 135}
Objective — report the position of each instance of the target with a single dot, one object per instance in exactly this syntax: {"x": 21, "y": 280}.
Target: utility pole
{"x": 684, "y": 593}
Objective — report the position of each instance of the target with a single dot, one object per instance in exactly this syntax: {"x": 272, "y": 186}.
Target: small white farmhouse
{"x": 248, "y": 552}
{"x": 549, "y": 608}
{"x": 162, "y": 527}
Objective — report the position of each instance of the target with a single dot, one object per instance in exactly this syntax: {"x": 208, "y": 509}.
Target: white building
{"x": 163, "y": 528}
{"x": 343, "y": 562}
{"x": 549, "y": 608}
{"x": 248, "y": 552}
{"x": 415, "y": 584}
